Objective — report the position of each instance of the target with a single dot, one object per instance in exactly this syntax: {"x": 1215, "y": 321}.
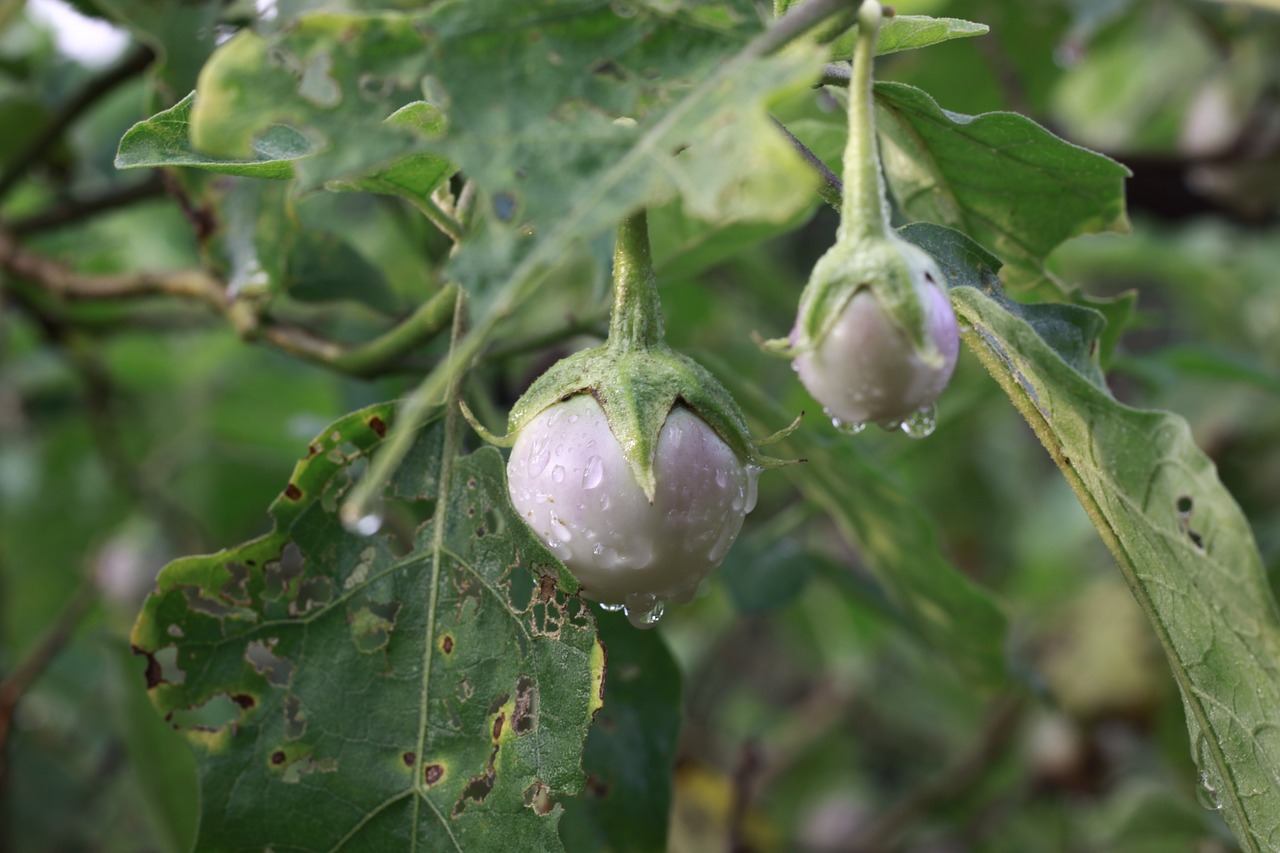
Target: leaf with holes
{"x": 530, "y": 97}
{"x": 1180, "y": 539}
{"x": 426, "y": 688}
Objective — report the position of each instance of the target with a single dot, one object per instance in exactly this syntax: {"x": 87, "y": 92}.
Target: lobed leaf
{"x": 1180, "y": 539}
{"x": 420, "y": 689}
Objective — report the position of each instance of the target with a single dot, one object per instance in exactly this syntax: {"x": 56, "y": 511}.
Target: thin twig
{"x": 16, "y": 683}
{"x": 134, "y": 63}
{"x": 997, "y": 732}
{"x": 370, "y": 358}
{"x": 76, "y": 210}
{"x": 832, "y": 189}
{"x": 745, "y": 778}
{"x": 64, "y": 282}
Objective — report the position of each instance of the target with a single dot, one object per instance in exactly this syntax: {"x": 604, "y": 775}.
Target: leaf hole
{"x": 262, "y": 657}
{"x": 217, "y": 713}
{"x": 1184, "y": 505}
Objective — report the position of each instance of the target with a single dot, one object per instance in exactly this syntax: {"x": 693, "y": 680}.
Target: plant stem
{"x": 637, "y": 307}
{"x": 94, "y": 90}
{"x": 863, "y": 214}
{"x": 832, "y": 189}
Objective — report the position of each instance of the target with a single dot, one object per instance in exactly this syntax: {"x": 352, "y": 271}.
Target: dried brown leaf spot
{"x": 292, "y": 492}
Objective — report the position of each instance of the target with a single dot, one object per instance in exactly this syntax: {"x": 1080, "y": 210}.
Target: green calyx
{"x": 891, "y": 268}
{"x": 867, "y": 253}
{"x": 635, "y": 376}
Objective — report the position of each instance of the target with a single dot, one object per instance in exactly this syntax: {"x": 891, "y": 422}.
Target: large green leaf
{"x": 998, "y": 177}
{"x": 419, "y": 689}
{"x": 531, "y": 94}
{"x": 1180, "y": 539}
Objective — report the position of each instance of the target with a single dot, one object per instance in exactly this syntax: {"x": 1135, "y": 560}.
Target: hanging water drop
{"x": 847, "y": 427}
{"x": 611, "y": 608}
{"x": 644, "y": 619}
{"x": 921, "y": 423}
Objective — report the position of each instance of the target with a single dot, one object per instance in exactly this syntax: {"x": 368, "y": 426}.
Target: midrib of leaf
{"x": 1003, "y": 371}
{"x": 439, "y": 519}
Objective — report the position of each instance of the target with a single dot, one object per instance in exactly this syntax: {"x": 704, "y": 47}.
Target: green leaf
{"x": 531, "y": 97}
{"x": 909, "y": 32}
{"x": 416, "y": 176}
{"x": 631, "y": 749}
{"x": 1180, "y": 539}
{"x": 894, "y": 539}
{"x": 998, "y": 177}
{"x": 419, "y": 689}
{"x": 165, "y": 140}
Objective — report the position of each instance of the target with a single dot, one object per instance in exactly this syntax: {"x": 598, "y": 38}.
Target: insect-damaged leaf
{"x": 338, "y": 698}
{"x": 1180, "y": 539}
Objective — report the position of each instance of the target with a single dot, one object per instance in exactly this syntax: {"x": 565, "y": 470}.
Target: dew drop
{"x": 753, "y": 488}
{"x": 890, "y": 426}
{"x": 848, "y": 427}
{"x": 722, "y": 478}
{"x": 573, "y": 419}
{"x": 922, "y": 422}
{"x": 739, "y": 500}
{"x": 611, "y": 608}
{"x": 644, "y": 619}
{"x": 557, "y": 474}
{"x": 539, "y": 456}
{"x": 606, "y": 557}
{"x": 721, "y": 546}
{"x": 558, "y": 528}
{"x": 1206, "y": 793}
{"x": 594, "y": 474}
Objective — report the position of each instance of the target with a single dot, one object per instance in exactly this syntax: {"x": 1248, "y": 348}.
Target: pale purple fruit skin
{"x": 571, "y": 484}
{"x": 865, "y": 370}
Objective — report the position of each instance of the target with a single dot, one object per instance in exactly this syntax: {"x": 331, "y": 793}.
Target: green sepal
{"x": 637, "y": 388}
{"x": 891, "y": 268}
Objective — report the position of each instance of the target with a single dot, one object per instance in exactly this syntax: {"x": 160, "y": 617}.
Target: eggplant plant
{"x": 282, "y": 274}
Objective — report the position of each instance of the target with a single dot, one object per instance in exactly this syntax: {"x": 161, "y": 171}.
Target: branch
{"x": 64, "y": 282}
{"x": 16, "y": 682}
{"x": 134, "y": 63}
{"x": 75, "y": 210}
{"x": 367, "y": 359}
{"x": 953, "y": 780}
